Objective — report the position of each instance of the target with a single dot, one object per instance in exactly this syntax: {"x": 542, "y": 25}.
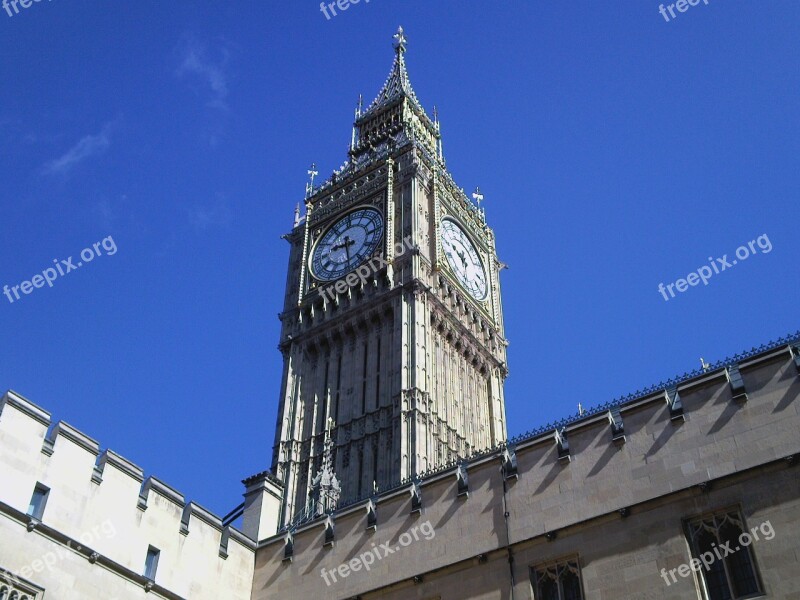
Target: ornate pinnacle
{"x": 353, "y": 136}
{"x": 325, "y": 487}
{"x": 297, "y": 215}
{"x": 400, "y": 41}
{"x": 477, "y": 196}
{"x": 310, "y": 185}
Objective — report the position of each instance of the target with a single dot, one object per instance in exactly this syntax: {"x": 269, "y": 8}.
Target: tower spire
{"x": 397, "y": 84}
{"x": 391, "y": 116}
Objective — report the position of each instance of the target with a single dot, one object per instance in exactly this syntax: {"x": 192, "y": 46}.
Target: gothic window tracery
{"x": 734, "y": 575}
{"x": 558, "y": 581}
{"x": 12, "y": 588}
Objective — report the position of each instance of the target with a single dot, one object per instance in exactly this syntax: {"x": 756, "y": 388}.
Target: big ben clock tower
{"x": 392, "y": 330}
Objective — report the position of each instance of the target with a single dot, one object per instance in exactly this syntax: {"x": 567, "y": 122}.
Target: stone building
{"x": 78, "y": 523}
{"x": 392, "y": 328}
{"x": 392, "y": 476}
{"x": 612, "y": 504}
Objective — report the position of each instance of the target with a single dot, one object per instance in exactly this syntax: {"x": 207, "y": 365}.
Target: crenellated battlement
{"x": 101, "y": 506}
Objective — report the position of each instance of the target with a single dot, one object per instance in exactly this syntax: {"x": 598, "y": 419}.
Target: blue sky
{"x": 616, "y": 151}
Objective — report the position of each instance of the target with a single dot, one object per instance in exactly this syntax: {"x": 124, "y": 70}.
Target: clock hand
{"x": 347, "y": 243}
{"x": 454, "y": 264}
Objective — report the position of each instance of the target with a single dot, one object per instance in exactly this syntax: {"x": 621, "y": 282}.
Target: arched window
{"x": 716, "y": 581}
{"x": 740, "y": 563}
{"x": 549, "y": 589}
{"x": 724, "y": 540}
{"x": 558, "y": 581}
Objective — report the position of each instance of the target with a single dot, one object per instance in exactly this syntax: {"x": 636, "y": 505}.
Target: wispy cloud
{"x": 194, "y": 62}
{"x": 202, "y": 218}
{"x": 118, "y": 214}
{"x": 87, "y": 146}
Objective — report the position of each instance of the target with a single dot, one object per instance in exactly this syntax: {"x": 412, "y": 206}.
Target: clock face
{"x": 347, "y": 244}
{"x": 463, "y": 259}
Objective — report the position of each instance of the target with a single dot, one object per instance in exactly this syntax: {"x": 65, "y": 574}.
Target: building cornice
{"x": 21, "y": 403}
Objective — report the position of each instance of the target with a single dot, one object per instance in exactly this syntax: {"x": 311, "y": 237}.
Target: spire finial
{"x": 400, "y": 41}
{"x": 477, "y": 196}
{"x": 312, "y": 172}
{"x": 354, "y": 135}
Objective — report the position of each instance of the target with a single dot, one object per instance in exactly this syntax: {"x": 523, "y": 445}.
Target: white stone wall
{"x": 101, "y": 517}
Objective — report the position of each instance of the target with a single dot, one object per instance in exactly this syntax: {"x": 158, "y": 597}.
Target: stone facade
{"x": 611, "y": 493}
{"x": 615, "y": 509}
{"x": 100, "y": 518}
